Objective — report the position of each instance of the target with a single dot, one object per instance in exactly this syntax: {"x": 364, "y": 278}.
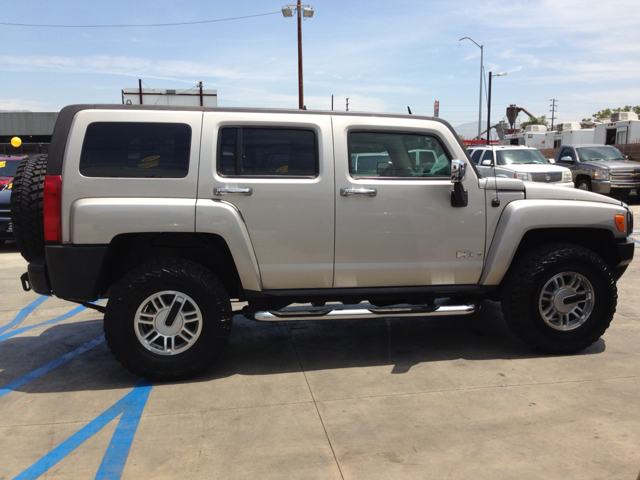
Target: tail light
{"x": 52, "y": 207}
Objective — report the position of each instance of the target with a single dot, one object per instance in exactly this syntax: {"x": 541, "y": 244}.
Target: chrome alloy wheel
{"x": 168, "y": 323}
{"x": 566, "y": 301}
{"x": 583, "y": 186}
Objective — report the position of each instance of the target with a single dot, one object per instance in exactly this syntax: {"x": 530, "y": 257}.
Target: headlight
{"x": 601, "y": 175}
{"x": 566, "y": 177}
{"x": 523, "y": 176}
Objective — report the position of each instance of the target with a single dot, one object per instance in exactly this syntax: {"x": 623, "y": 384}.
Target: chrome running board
{"x": 344, "y": 312}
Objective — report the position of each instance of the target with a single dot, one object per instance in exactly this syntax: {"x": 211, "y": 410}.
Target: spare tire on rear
{"x": 26, "y": 207}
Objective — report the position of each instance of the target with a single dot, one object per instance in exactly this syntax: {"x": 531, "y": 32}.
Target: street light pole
{"x": 481, "y": 68}
{"x": 307, "y": 12}
{"x": 300, "y": 85}
{"x": 489, "y": 104}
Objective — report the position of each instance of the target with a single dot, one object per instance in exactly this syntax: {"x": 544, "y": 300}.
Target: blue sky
{"x": 383, "y": 55}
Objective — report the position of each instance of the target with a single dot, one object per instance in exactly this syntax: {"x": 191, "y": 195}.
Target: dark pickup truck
{"x": 601, "y": 169}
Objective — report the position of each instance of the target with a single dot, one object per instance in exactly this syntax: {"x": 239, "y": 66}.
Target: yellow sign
{"x": 16, "y": 142}
{"x": 2, "y": 164}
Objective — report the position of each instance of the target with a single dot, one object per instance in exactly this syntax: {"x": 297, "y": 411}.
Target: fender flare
{"x": 521, "y": 216}
{"x": 223, "y": 219}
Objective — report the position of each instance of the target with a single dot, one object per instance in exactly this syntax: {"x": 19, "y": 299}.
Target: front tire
{"x": 584, "y": 184}
{"x": 559, "y": 298}
{"x": 168, "y": 319}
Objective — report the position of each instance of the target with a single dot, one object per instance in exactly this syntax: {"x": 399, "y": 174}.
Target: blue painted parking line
{"x": 11, "y": 386}
{"x": 131, "y": 407}
{"x": 24, "y": 313}
{"x": 114, "y": 460}
{"x": 55, "y": 320}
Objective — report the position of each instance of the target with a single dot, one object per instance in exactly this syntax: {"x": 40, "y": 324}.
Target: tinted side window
{"x": 136, "y": 150}
{"x": 476, "y": 156}
{"x": 373, "y": 154}
{"x": 260, "y": 152}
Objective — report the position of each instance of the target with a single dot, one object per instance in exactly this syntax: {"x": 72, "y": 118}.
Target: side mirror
{"x": 459, "y": 197}
{"x": 567, "y": 160}
{"x": 487, "y": 163}
{"x": 458, "y": 171}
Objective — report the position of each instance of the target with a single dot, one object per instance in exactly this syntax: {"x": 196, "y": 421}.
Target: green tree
{"x": 606, "y": 113}
{"x": 541, "y": 120}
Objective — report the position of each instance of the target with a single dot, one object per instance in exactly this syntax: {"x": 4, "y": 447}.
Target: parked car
{"x": 171, "y": 213}
{"x": 8, "y": 167}
{"x": 6, "y": 227}
{"x": 518, "y": 161}
{"x": 601, "y": 169}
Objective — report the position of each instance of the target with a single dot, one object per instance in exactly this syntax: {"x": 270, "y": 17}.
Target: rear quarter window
{"x": 136, "y": 150}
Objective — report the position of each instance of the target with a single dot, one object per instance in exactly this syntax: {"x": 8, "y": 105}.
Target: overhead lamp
{"x": 287, "y": 12}
{"x": 307, "y": 12}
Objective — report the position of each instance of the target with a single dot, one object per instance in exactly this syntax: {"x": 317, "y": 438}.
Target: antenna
{"x": 409, "y": 110}
{"x": 347, "y": 104}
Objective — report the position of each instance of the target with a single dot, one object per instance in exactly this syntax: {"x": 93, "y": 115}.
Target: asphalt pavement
{"x": 430, "y": 398}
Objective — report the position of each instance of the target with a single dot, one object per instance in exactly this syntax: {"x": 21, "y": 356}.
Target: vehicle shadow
{"x": 275, "y": 348}
{"x": 9, "y": 247}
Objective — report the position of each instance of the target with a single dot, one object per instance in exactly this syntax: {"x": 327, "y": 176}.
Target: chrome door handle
{"x": 346, "y": 192}
{"x": 240, "y": 191}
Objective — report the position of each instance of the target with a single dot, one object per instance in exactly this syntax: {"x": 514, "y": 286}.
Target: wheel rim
{"x": 168, "y": 323}
{"x": 583, "y": 186}
{"x": 566, "y": 301}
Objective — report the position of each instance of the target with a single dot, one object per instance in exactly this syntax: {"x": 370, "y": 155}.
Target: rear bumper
{"x": 71, "y": 272}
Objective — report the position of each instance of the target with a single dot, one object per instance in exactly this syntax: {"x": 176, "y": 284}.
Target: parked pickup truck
{"x": 601, "y": 169}
{"x": 171, "y": 213}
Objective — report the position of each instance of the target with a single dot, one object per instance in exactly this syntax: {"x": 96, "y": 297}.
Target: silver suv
{"x": 514, "y": 161}
{"x": 172, "y": 213}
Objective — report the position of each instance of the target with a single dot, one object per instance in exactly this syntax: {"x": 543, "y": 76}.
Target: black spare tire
{"x": 26, "y": 207}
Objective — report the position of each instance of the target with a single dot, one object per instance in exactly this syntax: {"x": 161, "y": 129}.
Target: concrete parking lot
{"x": 441, "y": 398}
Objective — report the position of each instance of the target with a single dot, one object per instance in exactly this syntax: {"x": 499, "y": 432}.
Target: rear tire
{"x": 168, "y": 319}
{"x": 559, "y": 298}
{"x": 26, "y": 207}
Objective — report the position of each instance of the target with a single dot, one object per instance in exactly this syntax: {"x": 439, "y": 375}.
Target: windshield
{"x": 8, "y": 167}
{"x": 507, "y": 157}
{"x": 599, "y": 153}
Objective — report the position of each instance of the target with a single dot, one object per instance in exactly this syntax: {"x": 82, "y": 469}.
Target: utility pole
{"x": 302, "y": 11}
{"x": 553, "y": 111}
{"x": 347, "y": 104}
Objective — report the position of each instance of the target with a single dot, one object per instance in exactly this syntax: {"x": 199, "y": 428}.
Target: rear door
{"x": 276, "y": 169}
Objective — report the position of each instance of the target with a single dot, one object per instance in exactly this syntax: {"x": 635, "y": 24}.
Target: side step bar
{"x": 345, "y": 312}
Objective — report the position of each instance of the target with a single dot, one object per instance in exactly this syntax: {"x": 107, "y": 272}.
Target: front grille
{"x": 549, "y": 177}
{"x": 626, "y": 175}
{"x": 5, "y": 212}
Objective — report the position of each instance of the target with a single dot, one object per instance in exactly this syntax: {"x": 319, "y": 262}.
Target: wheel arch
{"x": 128, "y": 251}
{"x": 530, "y": 223}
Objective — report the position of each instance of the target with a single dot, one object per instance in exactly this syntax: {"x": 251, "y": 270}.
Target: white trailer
{"x": 532, "y": 136}
{"x": 569, "y": 133}
{"x": 624, "y": 127}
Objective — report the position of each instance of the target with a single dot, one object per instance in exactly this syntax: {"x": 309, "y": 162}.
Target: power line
{"x": 136, "y": 25}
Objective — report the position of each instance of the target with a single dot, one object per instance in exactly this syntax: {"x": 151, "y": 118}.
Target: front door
{"x": 395, "y": 225}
